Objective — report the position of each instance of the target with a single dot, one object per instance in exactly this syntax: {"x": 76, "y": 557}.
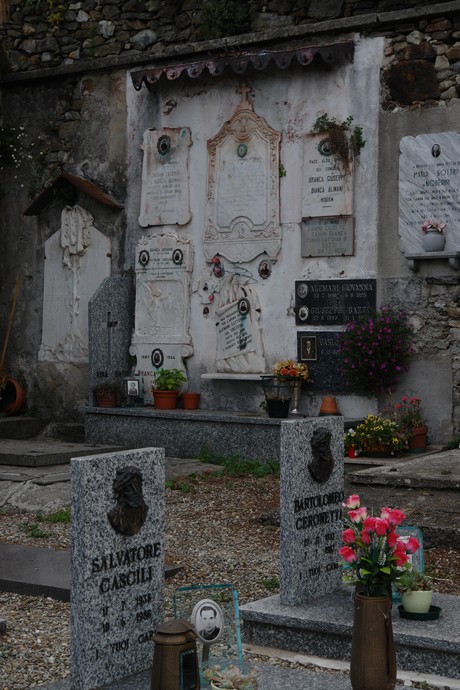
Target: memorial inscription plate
{"x": 327, "y": 187}
{"x": 333, "y": 302}
{"x": 243, "y": 188}
{"x": 165, "y": 187}
{"x": 327, "y": 236}
{"x": 320, "y": 352}
{"x": 429, "y": 187}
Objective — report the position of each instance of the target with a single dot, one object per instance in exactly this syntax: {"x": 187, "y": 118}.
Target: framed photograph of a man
{"x": 132, "y": 388}
{"x": 208, "y": 621}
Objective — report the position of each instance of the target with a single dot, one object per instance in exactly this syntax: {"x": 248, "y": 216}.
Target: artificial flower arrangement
{"x": 433, "y": 225}
{"x": 375, "y": 350}
{"x": 377, "y": 432}
{"x": 231, "y": 677}
{"x": 292, "y": 369}
{"x": 374, "y": 557}
{"x": 407, "y": 414}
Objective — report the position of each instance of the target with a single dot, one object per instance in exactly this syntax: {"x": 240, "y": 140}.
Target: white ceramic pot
{"x": 417, "y": 602}
{"x": 433, "y": 241}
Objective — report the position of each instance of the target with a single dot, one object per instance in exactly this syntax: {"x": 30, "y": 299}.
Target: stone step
{"x": 21, "y": 427}
{"x": 43, "y": 452}
{"x": 323, "y": 627}
{"x": 39, "y": 571}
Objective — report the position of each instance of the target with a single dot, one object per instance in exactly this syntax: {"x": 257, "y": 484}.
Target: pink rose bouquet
{"x": 374, "y": 556}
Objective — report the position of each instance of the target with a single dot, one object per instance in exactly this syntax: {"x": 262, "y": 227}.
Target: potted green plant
{"x": 410, "y": 419}
{"x": 379, "y": 436}
{"x": 375, "y": 350}
{"x": 231, "y": 678}
{"x": 165, "y": 389}
{"x": 416, "y": 591}
{"x": 108, "y": 393}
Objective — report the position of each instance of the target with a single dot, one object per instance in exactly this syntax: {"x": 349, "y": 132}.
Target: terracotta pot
{"x": 329, "y": 407}
{"x": 165, "y": 400}
{"x": 417, "y": 602}
{"x": 373, "y": 656}
{"x": 382, "y": 451}
{"x": 106, "y": 399}
{"x": 418, "y": 439}
{"x": 13, "y": 397}
{"x": 190, "y": 401}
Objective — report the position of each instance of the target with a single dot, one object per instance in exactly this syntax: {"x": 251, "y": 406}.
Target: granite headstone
{"x": 110, "y": 320}
{"x": 117, "y": 563}
{"x": 320, "y": 352}
{"x": 312, "y": 492}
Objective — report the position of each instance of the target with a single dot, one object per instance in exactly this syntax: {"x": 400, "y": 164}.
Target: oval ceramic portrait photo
{"x": 208, "y": 621}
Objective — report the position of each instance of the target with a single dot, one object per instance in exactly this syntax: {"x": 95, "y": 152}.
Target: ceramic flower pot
{"x": 417, "y": 601}
{"x": 418, "y": 439}
{"x": 433, "y": 241}
{"x": 190, "y": 401}
{"x": 106, "y": 399}
{"x": 165, "y": 400}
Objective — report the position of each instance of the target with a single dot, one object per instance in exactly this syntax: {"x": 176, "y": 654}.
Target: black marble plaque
{"x": 325, "y": 367}
{"x": 333, "y": 302}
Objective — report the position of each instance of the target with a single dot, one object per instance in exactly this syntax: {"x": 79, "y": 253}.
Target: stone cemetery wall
{"x": 117, "y": 564}
{"x": 77, "y": 74}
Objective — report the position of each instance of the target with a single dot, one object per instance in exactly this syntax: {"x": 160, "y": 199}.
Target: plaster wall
{"x": 289, "y": 101}
{"x": 431, "y": 295}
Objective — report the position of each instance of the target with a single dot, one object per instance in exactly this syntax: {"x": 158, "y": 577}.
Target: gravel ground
{"x": 213, "y": 531}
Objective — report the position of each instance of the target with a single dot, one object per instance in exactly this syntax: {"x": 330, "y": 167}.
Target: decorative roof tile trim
{"x": 330, "y": 53}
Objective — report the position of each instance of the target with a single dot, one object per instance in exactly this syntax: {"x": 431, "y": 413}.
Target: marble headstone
{"x": 243, "y": 188}
{"x": 110, "y": 317}
{"x": 165, "y": 196}
{"x": 117, "y": 564}
{"x": 327, "y": 187}
{"x": 429, "y": 187}
{"x": 76, "y": 262}
{"x": 312, "y": 492}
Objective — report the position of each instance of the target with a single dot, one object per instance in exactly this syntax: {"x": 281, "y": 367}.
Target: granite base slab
{"x": 39, "y": 571}
{"x": 323, "y": 627}
{"x": 184, "y": 434}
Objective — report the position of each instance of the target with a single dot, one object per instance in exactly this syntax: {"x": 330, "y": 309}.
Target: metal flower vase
{"x": 373, "y": 655}
{"x": 278, "y": 391}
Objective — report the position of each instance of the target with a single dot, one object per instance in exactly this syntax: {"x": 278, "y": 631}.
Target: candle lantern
{"x": 175, "y": 660}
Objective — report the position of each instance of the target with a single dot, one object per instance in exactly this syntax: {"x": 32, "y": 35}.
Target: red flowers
{"x": 374, "y": 555}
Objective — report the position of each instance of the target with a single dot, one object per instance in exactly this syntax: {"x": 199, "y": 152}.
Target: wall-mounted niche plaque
{"x": 328, "y": 236}
{"x": 333, "y": 302}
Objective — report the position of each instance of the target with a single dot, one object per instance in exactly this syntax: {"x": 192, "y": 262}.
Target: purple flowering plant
{"x": 375, "y": 350}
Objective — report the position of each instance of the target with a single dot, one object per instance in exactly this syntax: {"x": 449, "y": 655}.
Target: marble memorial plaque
{"x": 165, "y": 197}
{"x": 320, "y": 352}
{"x": 429, "y": 187}
{"x": 243, "y": 188}
{"x": 77, "y": 259}
{"x": 327, "y": 187}
{"x": 333, "y": 302}
{"x": 312, "y": 492}
{"x": 117, "y": 564}
{"x": 234, "y": 332}
{"x": 161, "y": 335}
{"x": 327, "y": 236}
{"x": 110, "y": 325}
